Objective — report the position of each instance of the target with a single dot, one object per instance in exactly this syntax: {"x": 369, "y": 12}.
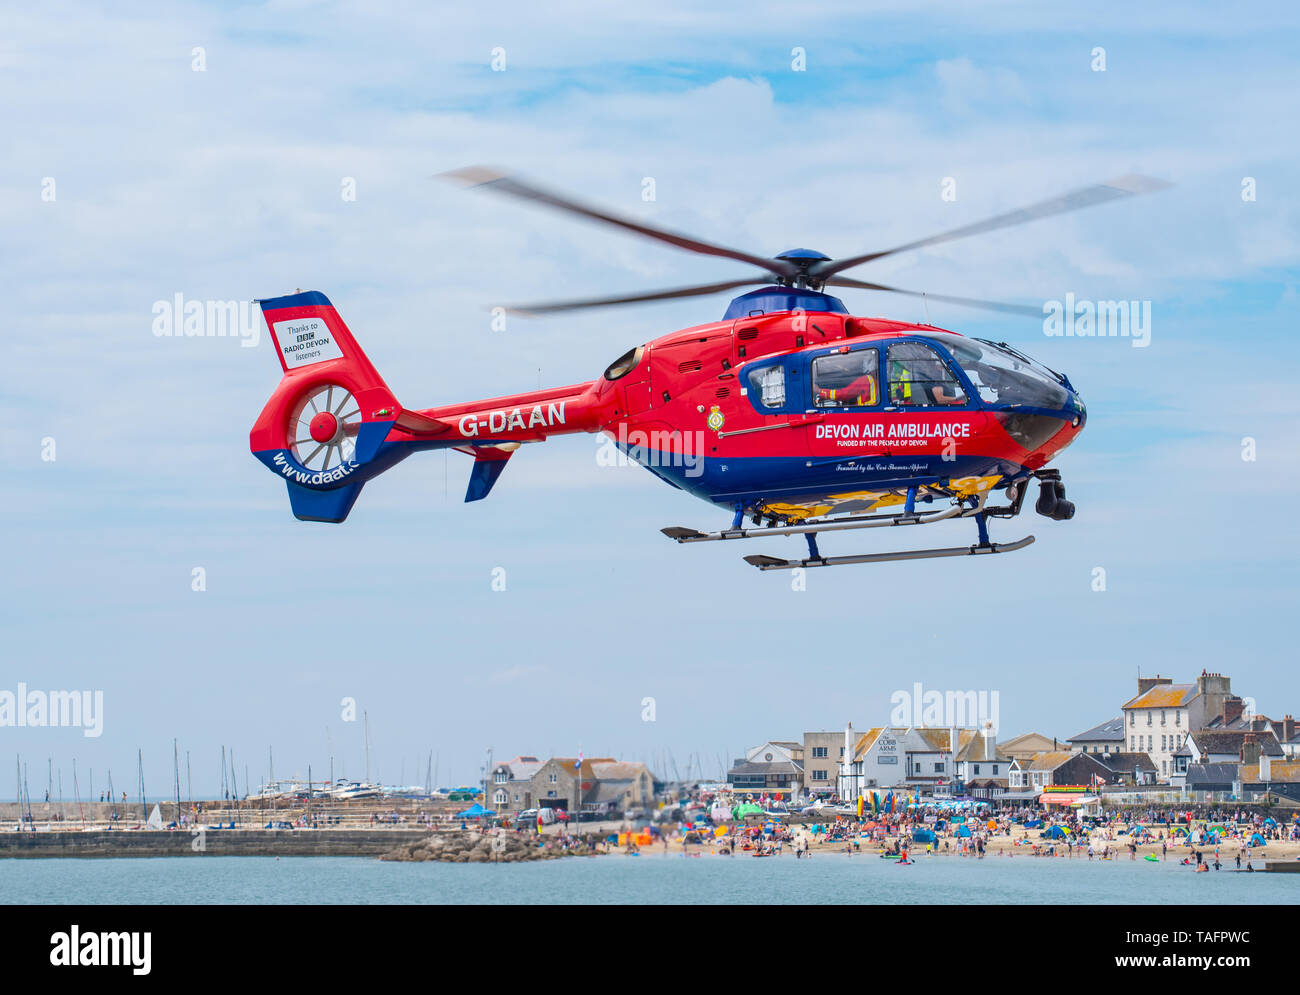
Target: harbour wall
{"x": 212, "y": 843}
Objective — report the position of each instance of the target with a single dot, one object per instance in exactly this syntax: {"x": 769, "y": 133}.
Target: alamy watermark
{"x": 946, "y": 709}
{"x": 653, "y": 449}
{"x": 1099, "y": 319}
{"x": 40, "y": 709}
{"x": 179, "y": 318}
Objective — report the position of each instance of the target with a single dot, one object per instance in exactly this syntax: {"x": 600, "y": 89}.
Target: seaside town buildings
{"x": 593, "y": 785}
{"x": 1198, "y": 735}
{"x": 1190, "y": 741}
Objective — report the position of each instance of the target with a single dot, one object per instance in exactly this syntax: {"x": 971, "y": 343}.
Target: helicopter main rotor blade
{"x": 1122, "y": 186}
{"x": 491, "y": 179}
{"x": 552, "y": 307}
{"x": 975, "y": 302}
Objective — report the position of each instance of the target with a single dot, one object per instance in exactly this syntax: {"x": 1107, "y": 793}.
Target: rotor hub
{"x": 324, "y": 427}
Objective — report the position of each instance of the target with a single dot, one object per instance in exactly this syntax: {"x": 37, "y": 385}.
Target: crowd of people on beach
{"x": 1204, "y": 837}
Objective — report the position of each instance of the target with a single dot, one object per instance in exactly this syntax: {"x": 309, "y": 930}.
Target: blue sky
{"x": 225, "y": 184}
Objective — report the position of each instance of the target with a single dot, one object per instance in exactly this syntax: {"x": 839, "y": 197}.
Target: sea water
{"x": 652, "y": 878}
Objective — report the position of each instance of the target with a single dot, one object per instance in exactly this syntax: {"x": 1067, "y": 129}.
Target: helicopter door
{"x": 847, "y": 391}
{"x": 930, "y": 415}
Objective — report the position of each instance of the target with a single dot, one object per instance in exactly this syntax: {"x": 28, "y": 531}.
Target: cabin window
{"x": 919, "y": 378}
{"x": 846, "y": 380}
{"x": 769, "y": 383}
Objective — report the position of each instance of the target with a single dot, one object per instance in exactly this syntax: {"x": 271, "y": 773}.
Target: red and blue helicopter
{"x": 790, "y": 412}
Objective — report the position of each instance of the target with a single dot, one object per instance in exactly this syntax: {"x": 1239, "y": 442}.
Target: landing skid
{"x": 773, "y": 563}
{"x": 810, "y": 528}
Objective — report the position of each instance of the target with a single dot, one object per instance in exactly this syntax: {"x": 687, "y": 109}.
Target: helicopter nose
{"x": 1080, "y": 411}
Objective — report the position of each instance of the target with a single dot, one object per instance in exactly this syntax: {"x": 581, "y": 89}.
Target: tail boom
{"x": 332, "y": 423}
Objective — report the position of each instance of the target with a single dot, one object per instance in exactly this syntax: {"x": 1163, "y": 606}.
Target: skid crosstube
{"x": 775, "y": 563}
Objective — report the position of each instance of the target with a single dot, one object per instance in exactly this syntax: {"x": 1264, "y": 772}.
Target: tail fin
{"x": 489, "y": 461}
{"x": 326, "y": 426}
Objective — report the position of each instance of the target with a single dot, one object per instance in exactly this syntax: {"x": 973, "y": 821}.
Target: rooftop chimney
{"x": 1250, "y": 751}
{"x": 1213, "y": 684}
{"x": 1145, "y": 684}
{"x": 1233, "y": 707}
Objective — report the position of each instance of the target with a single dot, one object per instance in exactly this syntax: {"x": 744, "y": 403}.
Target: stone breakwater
{"x": 213, "y": 843}
{"x": 473, "y": 848}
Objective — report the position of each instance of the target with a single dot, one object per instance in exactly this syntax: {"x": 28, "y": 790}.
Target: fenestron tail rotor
{"x": 801, "y": 268}
{"x": 323, "y": 427}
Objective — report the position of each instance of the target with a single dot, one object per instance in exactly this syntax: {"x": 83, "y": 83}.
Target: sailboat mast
{"x": 176, "y": 775}
{"x": 365, "y": 721}
{"x": 76, "y": 794}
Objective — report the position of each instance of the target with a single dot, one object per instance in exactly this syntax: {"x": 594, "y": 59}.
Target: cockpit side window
{"x": 918, "y": 377}
{"x": 768, "y": 382}
{"x": 846, "y": 380}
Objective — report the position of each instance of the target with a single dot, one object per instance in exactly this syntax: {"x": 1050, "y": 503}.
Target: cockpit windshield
{"x": 1003, "y": 377}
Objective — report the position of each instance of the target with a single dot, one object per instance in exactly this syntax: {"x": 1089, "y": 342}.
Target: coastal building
{"x": 620, "y": 785}
{"x": 924, "y": 759}
{"x": 512, "y": 784}
{"x": 1129, "y": 768}
{"x": 1158, "y": 719}
{"x": 982, "y": 770}
{"x": 1026, "y": 746}
{"x": 1105, "y": 738}
{"x": 1208, "y": 777}
{"x": 602, "y": 786}
{"x": 932, "y": 754}
{"x": 1292, "y": 746}
{"x": 823, "y": 753}
{"x": 1058, "y": 767}
{"x": 775, "y": 768}
{"x": 1233, "y": 746}
{"x": 874, "y": 758}
{"x": 1266, "y": 777}
{"x": 559, "y": 783}
{"x": 1235, "y": 718}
